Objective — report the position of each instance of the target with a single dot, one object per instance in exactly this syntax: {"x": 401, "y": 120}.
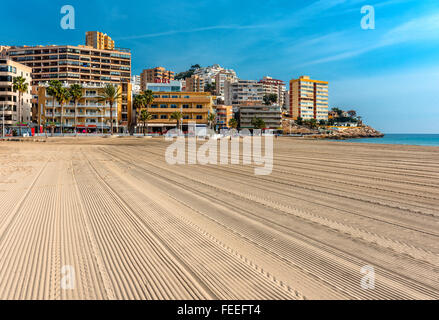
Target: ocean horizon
{"x": 431, "y": 140}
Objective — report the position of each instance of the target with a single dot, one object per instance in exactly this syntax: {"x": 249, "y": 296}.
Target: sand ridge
{"x": 134, "y": 227}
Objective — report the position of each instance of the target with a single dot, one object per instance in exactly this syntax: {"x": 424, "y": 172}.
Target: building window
{"x": 163, "y": 106}
{"x": 185, "y": 106}
{"x": 199, "y": 117}
{"x": 174, "y": 106}
{"x": 199, "y": 106}
{"x": 163, "y": 116}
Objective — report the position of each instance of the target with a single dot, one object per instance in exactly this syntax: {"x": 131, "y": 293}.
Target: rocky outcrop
{"x": 351, "y": 133}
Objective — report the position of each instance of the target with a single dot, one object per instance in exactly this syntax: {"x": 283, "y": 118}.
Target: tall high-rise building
{"x": 83, "y": 65}
{"x": 98, "y": 40}
{"x": 309, "y": 98}
{"x": 14, "y": 111}
{"x": 274, "y": 86}
{"x": 155, "y": 75}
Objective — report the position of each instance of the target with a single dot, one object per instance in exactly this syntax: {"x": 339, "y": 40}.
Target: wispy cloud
{"x": 415, "y": 30}
{"x": 209, "y": 28}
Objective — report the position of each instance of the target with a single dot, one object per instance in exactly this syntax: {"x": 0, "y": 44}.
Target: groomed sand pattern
{"x": 134, "y": 227}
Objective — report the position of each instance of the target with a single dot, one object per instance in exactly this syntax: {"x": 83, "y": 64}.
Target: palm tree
{"x": 145, "y": 116}
{"x": 76, "y": 94}
{"x": 177, "y": 115}
{"x": 110, "y": 94}
{"x": 52, "y": 90}
{"x": 148, "y": 97}
{"x": 63, "y": 97}
{"x": 20, "y": 85}
{"x": 211, "y": 119}
{"x": 233, "y": 123}
{"x": 138, "y": 103}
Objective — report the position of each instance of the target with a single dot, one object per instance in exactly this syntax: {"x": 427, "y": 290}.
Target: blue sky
{"x": 390, "y": 75}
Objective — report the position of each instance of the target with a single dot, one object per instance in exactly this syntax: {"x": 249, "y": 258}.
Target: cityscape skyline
{"x": 358, "y": 63}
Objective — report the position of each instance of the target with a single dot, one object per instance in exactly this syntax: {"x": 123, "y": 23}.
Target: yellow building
{"x": 195, "y": 107}
{"x": 223, "y": 116}
{"x": 309, "y": 99}
{"x": 98, "y": 40}
{"x": 91, "y": 115}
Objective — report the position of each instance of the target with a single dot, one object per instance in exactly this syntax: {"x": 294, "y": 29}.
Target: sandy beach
{"x": 131, "y": 226}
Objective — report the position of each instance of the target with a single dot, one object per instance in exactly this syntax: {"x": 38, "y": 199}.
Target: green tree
{"x": 111, "y": 94}
{"x": 270, "y": 99}
{"x": 145, "y": 116}
{"x": 258, "y": 123}
{"x": 210, "y": 87}
{"x": 352, "y": 113}
{"x": 63, "y": 97}
{"x": 20, "y": 85}
{"x": 187, "y": 74}
{"x": 138, "y": 103}
{"x": 311, "y": 123}
{"x": 299, "y": 121}
{"x": 177, "y": 115}
{"x": 233, "y": 123}
{"x": 338, "y": 111}
{"x": 322, "y": 122}
{"x": 148, "y": 97}
{"x": 52, "y": 90}
{"x": 76, "y": 94}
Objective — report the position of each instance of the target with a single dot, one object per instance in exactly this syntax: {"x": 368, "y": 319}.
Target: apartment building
{"x": 82, "y": 65}
{"x": 243, "y": 92}
{"x": 195, "y": 84}
{"x": 274, "y": 86}
{"x": 14, "y": 112}
{"x": 309, "y": 98}
{"x": 223, "y": 116}
{"x": 98, "y": 40}
{"x": 195, "y": 107}
{"x": 155, "y": 75}
{"x": 272, "y": 116}
{"x": 91, "y": 116}
{"x": 220, "y": 80}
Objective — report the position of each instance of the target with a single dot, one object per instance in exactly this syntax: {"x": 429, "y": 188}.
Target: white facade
{"x": 14, "y": 111}
{"x": 243, "y": 92}
{"x": 135, "y": 81}
{"x": 208, "y": 74}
